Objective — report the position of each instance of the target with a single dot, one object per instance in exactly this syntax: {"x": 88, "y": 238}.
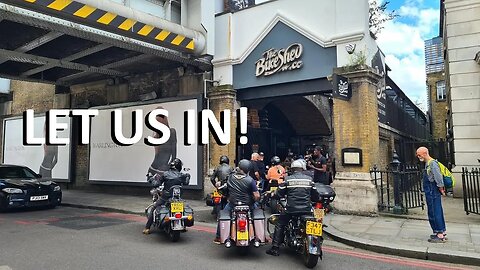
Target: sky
{"x": 402, "y": 42}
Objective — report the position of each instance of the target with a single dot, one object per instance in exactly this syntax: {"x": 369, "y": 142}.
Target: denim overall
{"x": 434, "y": 205}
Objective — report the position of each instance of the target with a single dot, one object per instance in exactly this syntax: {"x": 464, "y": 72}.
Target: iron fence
{"x": 471, "y": 190}
{"x": 399, "y": 188}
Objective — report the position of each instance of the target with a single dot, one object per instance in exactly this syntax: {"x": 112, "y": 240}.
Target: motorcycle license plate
{"x": 176, "y": 207}
{"x": 272, "y": 189}
{"x": 318, "y": 213}
{"x": 314, "y": 228}
{"x": 216, "y": 194}
{"x": 242, "y": 235}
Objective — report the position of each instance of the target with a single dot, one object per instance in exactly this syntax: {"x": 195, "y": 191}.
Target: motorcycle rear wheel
{"x": 309, "y": 260}
{"x": 174, "y": 235}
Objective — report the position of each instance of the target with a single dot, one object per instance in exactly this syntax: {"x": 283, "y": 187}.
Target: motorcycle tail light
{"x": 318, "y": 205}
{"x": 217, "y": 200}
{"x": 242, "y": 225}
{"x": 178, "y": 215}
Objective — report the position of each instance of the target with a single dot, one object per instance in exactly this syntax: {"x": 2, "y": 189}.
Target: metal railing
{"x": 399, "y": 187}
{"x": 471, "y": 190}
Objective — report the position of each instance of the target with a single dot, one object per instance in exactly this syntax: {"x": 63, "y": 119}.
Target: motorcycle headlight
{"x": 12, "y": 190}
{"x": 56, "y": 188}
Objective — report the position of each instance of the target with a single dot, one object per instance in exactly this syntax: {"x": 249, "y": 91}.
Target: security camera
{"x": 350, "y": 48}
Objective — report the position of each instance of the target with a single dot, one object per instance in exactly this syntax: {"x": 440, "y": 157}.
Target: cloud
{"x": 402, "y": 41}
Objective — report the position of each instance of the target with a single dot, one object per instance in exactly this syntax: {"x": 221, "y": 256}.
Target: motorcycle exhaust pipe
{"x": 228, "y": 244}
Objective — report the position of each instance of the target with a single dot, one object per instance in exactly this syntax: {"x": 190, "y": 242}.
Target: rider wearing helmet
{"x": 172, "y": 177}
{"x": 277, "y": 171}
{"x": 300, "y": 192}
{"x": 241, "y": 189}
{"x": 221, "y": 173}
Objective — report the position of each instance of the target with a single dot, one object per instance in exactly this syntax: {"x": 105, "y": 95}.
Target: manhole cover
{"x": 83, "y": 223}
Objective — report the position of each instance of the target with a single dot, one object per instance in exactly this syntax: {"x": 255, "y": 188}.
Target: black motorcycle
{"x": 267, "y": 200}
{"x": 304, "y": 234}
{"x": 174, "y": 216}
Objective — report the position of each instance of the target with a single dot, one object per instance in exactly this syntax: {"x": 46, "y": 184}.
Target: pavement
{"x": 404, "y": 235}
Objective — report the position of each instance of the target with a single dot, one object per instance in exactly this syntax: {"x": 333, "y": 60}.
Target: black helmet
{"x": 224, "y": 159}
{"x": 275, "y": 160}
{"x": 245, "y": 165}
{"x": 176, "y": 164}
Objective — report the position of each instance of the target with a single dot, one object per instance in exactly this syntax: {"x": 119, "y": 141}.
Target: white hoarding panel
{"x": 51, "y": 161}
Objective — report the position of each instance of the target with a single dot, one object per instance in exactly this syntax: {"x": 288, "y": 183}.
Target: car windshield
{"x": 16, "y": 173}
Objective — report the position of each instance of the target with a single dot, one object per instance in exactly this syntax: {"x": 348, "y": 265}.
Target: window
{"x": 441, "y": 93}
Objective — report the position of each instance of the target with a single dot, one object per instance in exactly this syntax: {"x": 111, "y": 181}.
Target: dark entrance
{"x": 279, "y": 124}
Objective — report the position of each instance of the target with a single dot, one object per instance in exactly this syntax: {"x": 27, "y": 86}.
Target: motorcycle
{"x": 267, "y": 200}
{"x": 217, "y": 200}
{"x": 242, "y": 227}
{"x": 304, "y": 234}
{"x": 174, "y": 216}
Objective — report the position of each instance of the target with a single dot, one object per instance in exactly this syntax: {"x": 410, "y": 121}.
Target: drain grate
{"x": 84, "y": 223}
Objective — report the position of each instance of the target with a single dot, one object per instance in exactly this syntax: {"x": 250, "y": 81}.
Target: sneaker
{"x": 217, "y": 241}
{"x": 146, "y": 231}
{"x": 437, "y": 239}
{"x": 273, "y": 251}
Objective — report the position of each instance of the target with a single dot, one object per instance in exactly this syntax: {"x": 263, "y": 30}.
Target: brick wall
{"x": 356, "y": 122}
{"x": 28, "y": 95}
{"x": 437, "y": 108}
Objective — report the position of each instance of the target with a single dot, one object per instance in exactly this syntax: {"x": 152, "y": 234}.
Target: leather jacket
{"x": 300, "y": 191}
{"x": 240, "y": 188}
{"x": 169, "y": 179}
{"x": 221, "y": 173}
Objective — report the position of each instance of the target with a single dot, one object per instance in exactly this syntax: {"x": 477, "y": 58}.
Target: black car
{"x": 22, "y": 187}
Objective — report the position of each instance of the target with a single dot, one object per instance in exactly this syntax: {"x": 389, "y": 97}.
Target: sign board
{"x": 352, "y": 157}
{"x": 275, "y": 61}
{"x": 341, "y": 88}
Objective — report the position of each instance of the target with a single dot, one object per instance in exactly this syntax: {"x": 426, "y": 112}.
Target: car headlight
{"x": 56, "y": 188}
{"x": 12, "y": 190}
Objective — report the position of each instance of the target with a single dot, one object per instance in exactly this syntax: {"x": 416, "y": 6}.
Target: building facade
{"x": 462, "y": 46}
{"x": 307, "y": 78}
{"x": 436, "y": 90}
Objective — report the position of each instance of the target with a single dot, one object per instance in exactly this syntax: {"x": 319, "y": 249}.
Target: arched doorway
{"x": 279, "y": 124}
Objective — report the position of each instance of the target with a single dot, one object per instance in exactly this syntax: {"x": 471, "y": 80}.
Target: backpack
{"x": 448, "y": 179}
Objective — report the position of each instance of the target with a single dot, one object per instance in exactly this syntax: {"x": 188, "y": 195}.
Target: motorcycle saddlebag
{"x": 189, "y": 211}
{"x": 259, "y": 224}
{"x": 224, "y": 223}
{"x": 161, "y": 213}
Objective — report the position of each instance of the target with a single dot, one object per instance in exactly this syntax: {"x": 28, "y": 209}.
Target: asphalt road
{"x": 71, "y": 238}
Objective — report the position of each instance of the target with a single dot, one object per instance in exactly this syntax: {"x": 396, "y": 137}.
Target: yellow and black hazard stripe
{"x": 105, "y": 18}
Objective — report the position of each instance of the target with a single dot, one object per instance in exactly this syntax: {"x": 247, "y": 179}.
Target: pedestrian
{"x": 319, "y": 164}
{"x": 434, "y": 190}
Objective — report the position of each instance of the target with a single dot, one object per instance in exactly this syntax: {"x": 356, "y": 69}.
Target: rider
{"x": 277, "y": 171}
{"x": 300, "y": 192}
{"x": 221, "y": 173}
{"x": 241, "y": 188}
{"x": 172, "y": 177}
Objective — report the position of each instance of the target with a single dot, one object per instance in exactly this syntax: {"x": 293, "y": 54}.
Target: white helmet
{"x": 301, "y": 164}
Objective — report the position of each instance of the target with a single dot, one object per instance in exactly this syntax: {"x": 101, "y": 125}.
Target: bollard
{"x": 397, "y": 183}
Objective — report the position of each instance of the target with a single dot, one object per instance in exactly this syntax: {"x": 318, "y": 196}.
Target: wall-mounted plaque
{"x": 352, "y": 157}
